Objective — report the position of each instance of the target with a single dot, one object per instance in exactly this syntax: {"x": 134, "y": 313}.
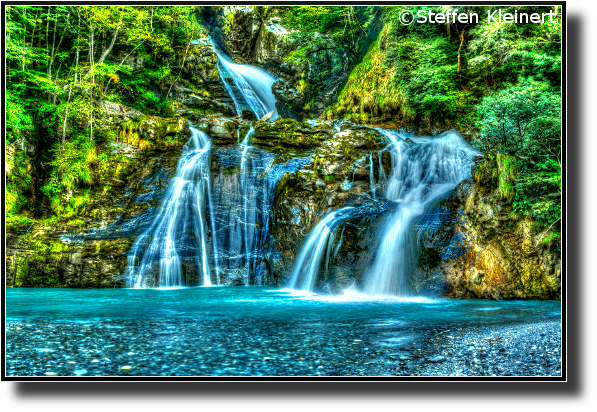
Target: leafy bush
{"x": 523, "y": 122}
{"x": 430, "y": 79}
{"x": 539, "y": 190}
{"x": 71, "y": 166}
{"x": 523, "y": 119}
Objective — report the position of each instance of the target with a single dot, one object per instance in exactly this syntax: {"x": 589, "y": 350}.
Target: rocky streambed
{"x": 223, "y": 349}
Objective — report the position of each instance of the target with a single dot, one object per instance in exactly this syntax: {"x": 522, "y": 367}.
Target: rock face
{"x": 338, "y": 176}
{"x": 286, "y": 133}
{"x": 90, "y": 249}
{"x": 472, "y": 247}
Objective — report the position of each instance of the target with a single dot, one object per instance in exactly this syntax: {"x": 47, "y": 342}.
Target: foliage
{"x": 499, "y": 51}
{"x": 61, "y": 61}
{"x": 71, "y": 165}
{"x": 338, "y": 23}
{"x": 539, "y": 191}
{"x": 18, "y": 184}
{"x": 523, "y": 119}
{"x": 431, "y": 87}
{"x": 18, "y": 118}
{"x": 498, "y": 81}
{"x": 524, "y": 122}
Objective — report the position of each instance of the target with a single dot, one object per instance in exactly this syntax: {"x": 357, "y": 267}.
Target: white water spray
{"x": 307, "y": 264}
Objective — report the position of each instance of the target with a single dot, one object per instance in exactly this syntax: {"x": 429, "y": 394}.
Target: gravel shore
{"x": 225, "y": 349}
{"x": 508, "y": 350}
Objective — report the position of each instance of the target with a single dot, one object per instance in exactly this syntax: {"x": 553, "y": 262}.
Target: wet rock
{"x": 267, "y": 117}
{"x": 330, "y": 182}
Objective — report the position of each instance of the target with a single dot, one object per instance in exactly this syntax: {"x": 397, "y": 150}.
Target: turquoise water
{"x": 230, "y": 331}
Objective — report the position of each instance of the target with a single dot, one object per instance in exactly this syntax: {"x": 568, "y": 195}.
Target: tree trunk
{"x": 92, "y": 85}
{"x": 109, "y": 49}
{"x": 65, "y": 119}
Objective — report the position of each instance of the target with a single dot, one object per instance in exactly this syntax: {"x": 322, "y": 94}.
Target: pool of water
{"x": 228, "y": 331}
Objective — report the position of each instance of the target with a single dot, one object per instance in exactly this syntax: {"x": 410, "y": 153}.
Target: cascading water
{"x": 371, "y": 176}
{"x": 245, "y": 176}
{"x": 243, "y": 196}
{"x": 423, "y": 169}
{"x": 254, "y": 86}
{"x": 307, "y": 264}
{"x": 243, "y": 200}
{"x": 421, "y": 172}
{"x": 170, "y": 251}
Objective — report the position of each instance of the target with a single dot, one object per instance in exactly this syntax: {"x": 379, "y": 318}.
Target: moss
{"x": 77, "y": 222}
{"x": 230, "y": 127}
{"x": 95, "y": 213}
{"x": 486, "y": 173}
{"x": 290, "y": 133}
{"x": 112, "y": 247}
{"x": 508, "y": 171}
{"x": 244, "y": 129}
{"x": 228, "y": 22}
{"x": 302, "y": 86}
{"x": 231, "y": 170}
{"x": 21, "y": 272}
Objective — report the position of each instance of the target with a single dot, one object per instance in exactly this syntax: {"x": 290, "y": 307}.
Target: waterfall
{"x": 307, "y": 264}
{"x": 174, "y": 246}
{"x": 423, "y": 168}
{"x": 245, "y": 178}
{"x": 421, "y": 172}
{"x": 254, "y": 86}
{"x": 382, "y": 173}
{"x": 243, "y": 195}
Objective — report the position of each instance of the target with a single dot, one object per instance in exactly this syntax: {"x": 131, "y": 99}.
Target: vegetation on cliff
{"x": 62, "y": 61}
{"x": 499, "y": 83}
{"x": 94, "y": 93}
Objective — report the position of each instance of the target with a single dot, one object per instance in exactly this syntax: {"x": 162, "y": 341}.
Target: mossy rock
{"x": 117, "y": 246}
{"x": 156, "y": 129}
{"x": 361, "y": 138}
{"x": 290, "y": 133}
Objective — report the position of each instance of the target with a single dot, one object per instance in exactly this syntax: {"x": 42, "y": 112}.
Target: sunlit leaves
{"x": 524, "y": 119}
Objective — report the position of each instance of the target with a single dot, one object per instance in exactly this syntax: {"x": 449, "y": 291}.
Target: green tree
{"x": 523, "y": 120}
